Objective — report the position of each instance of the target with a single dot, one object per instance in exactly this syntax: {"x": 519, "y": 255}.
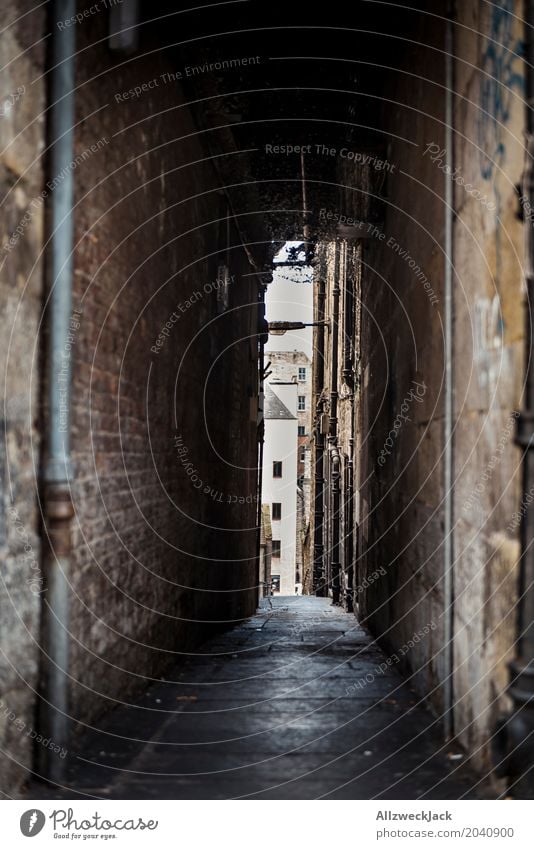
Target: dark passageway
{"x": 296, "y": 703}
{"x": 156, "y": 162}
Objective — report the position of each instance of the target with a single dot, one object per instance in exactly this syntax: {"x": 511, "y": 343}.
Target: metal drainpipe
{"x": 348, "y": 313}
{"x": 262, "y": 336}
{"x": 513, "y": 742}
{"x": 351, "y": 582}
{"x": 334, "y": 464}
{"x": 348, "y": 377}
{"x": 335, "y": 564}
{"x": 58, "y": 510}
{"x": 349, "y": 600}
{"x": 319, "y": 583}
{"x": 448, "y": 458}
{"x": 305, "y": 224}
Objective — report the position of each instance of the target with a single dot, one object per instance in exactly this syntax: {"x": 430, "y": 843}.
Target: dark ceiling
{"x": 318, "y": 79}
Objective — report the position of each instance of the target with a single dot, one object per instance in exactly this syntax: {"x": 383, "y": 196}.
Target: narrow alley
{"x": 298, "y": 702}
{"x": 267, "y": 406}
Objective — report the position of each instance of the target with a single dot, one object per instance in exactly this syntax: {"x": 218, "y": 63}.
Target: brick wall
{"x": 165, "y": 486}
{"x": 164, "y": 390}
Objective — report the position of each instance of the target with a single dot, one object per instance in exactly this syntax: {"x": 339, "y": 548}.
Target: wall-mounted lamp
{"x": 278, "y": 328}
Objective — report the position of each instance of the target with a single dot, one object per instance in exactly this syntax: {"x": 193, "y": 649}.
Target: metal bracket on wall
{"x": 123, "y": 26}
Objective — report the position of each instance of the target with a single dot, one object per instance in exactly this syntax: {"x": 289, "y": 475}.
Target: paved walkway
{"x": 269, "y": 710}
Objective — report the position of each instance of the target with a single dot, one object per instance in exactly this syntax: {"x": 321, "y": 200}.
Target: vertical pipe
{"x": 53, "y": 714}
{"x": 349, "y": 563}
{"x": 357, "y": 425}
{"x": 335, "y": 561}
{"x": 350, "y": 362}
{"x": 305, "y": 224}
{"x": 348, "y": 323}
{"x": 319, "y": 587}
{"x": 448, "y": 457}
{"x": 319, "y": 584}
{"x": 334, "y": 353}
{"x": 334, "y": 459}
{"x": 60, "y": 305}
{"x": 262, "y": 336}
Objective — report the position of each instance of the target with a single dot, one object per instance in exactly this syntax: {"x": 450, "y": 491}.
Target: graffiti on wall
{"x": 490, "y": 357}
{"x": 501, "y": 78}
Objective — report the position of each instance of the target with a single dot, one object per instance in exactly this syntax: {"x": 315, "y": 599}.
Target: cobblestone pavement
{"x": 279, "y": 707}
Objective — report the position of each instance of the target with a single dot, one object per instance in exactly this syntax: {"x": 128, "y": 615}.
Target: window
{"x": 302, "y": 430}
{"x": 276, "y": 510}
{"x": 276, "y": 548}
{"x": 302, "y": 373}
{"x": 302, "y": 403}
{"x": 302, "y": 454}
{"x": 275, "y": 583}
{"x": 277, "y": 468}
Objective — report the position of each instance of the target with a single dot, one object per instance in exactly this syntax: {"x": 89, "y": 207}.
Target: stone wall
{"x": 489, "y": 334}
{"x": 338, "y": 266}
{"x": 400, "y": 468}
{"x": 21, "y": 293}
{"x": 401, "y": 462}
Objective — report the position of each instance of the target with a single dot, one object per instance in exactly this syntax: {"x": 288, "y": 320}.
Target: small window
{"x": 302, "y": 403}
{"x": 277, "y": 468}
{"x": 302, "y": 454}
{"x": 275, "y": 583}
{"x": 276, "y": 510}
{"x": 276, "y": 548}
{"x": 302, "y": 430}
{"x": 302, "y": 374}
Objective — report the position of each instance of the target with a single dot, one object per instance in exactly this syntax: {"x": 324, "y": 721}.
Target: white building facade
{"x": 280, "y": 481}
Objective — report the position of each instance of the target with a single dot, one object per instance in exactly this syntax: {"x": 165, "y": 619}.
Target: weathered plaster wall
{"x": 489, "y": 356}
{"x": 21, "y": 293}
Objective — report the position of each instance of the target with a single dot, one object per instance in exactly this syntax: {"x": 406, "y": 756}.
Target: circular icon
{"x": 32, "y": 822}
